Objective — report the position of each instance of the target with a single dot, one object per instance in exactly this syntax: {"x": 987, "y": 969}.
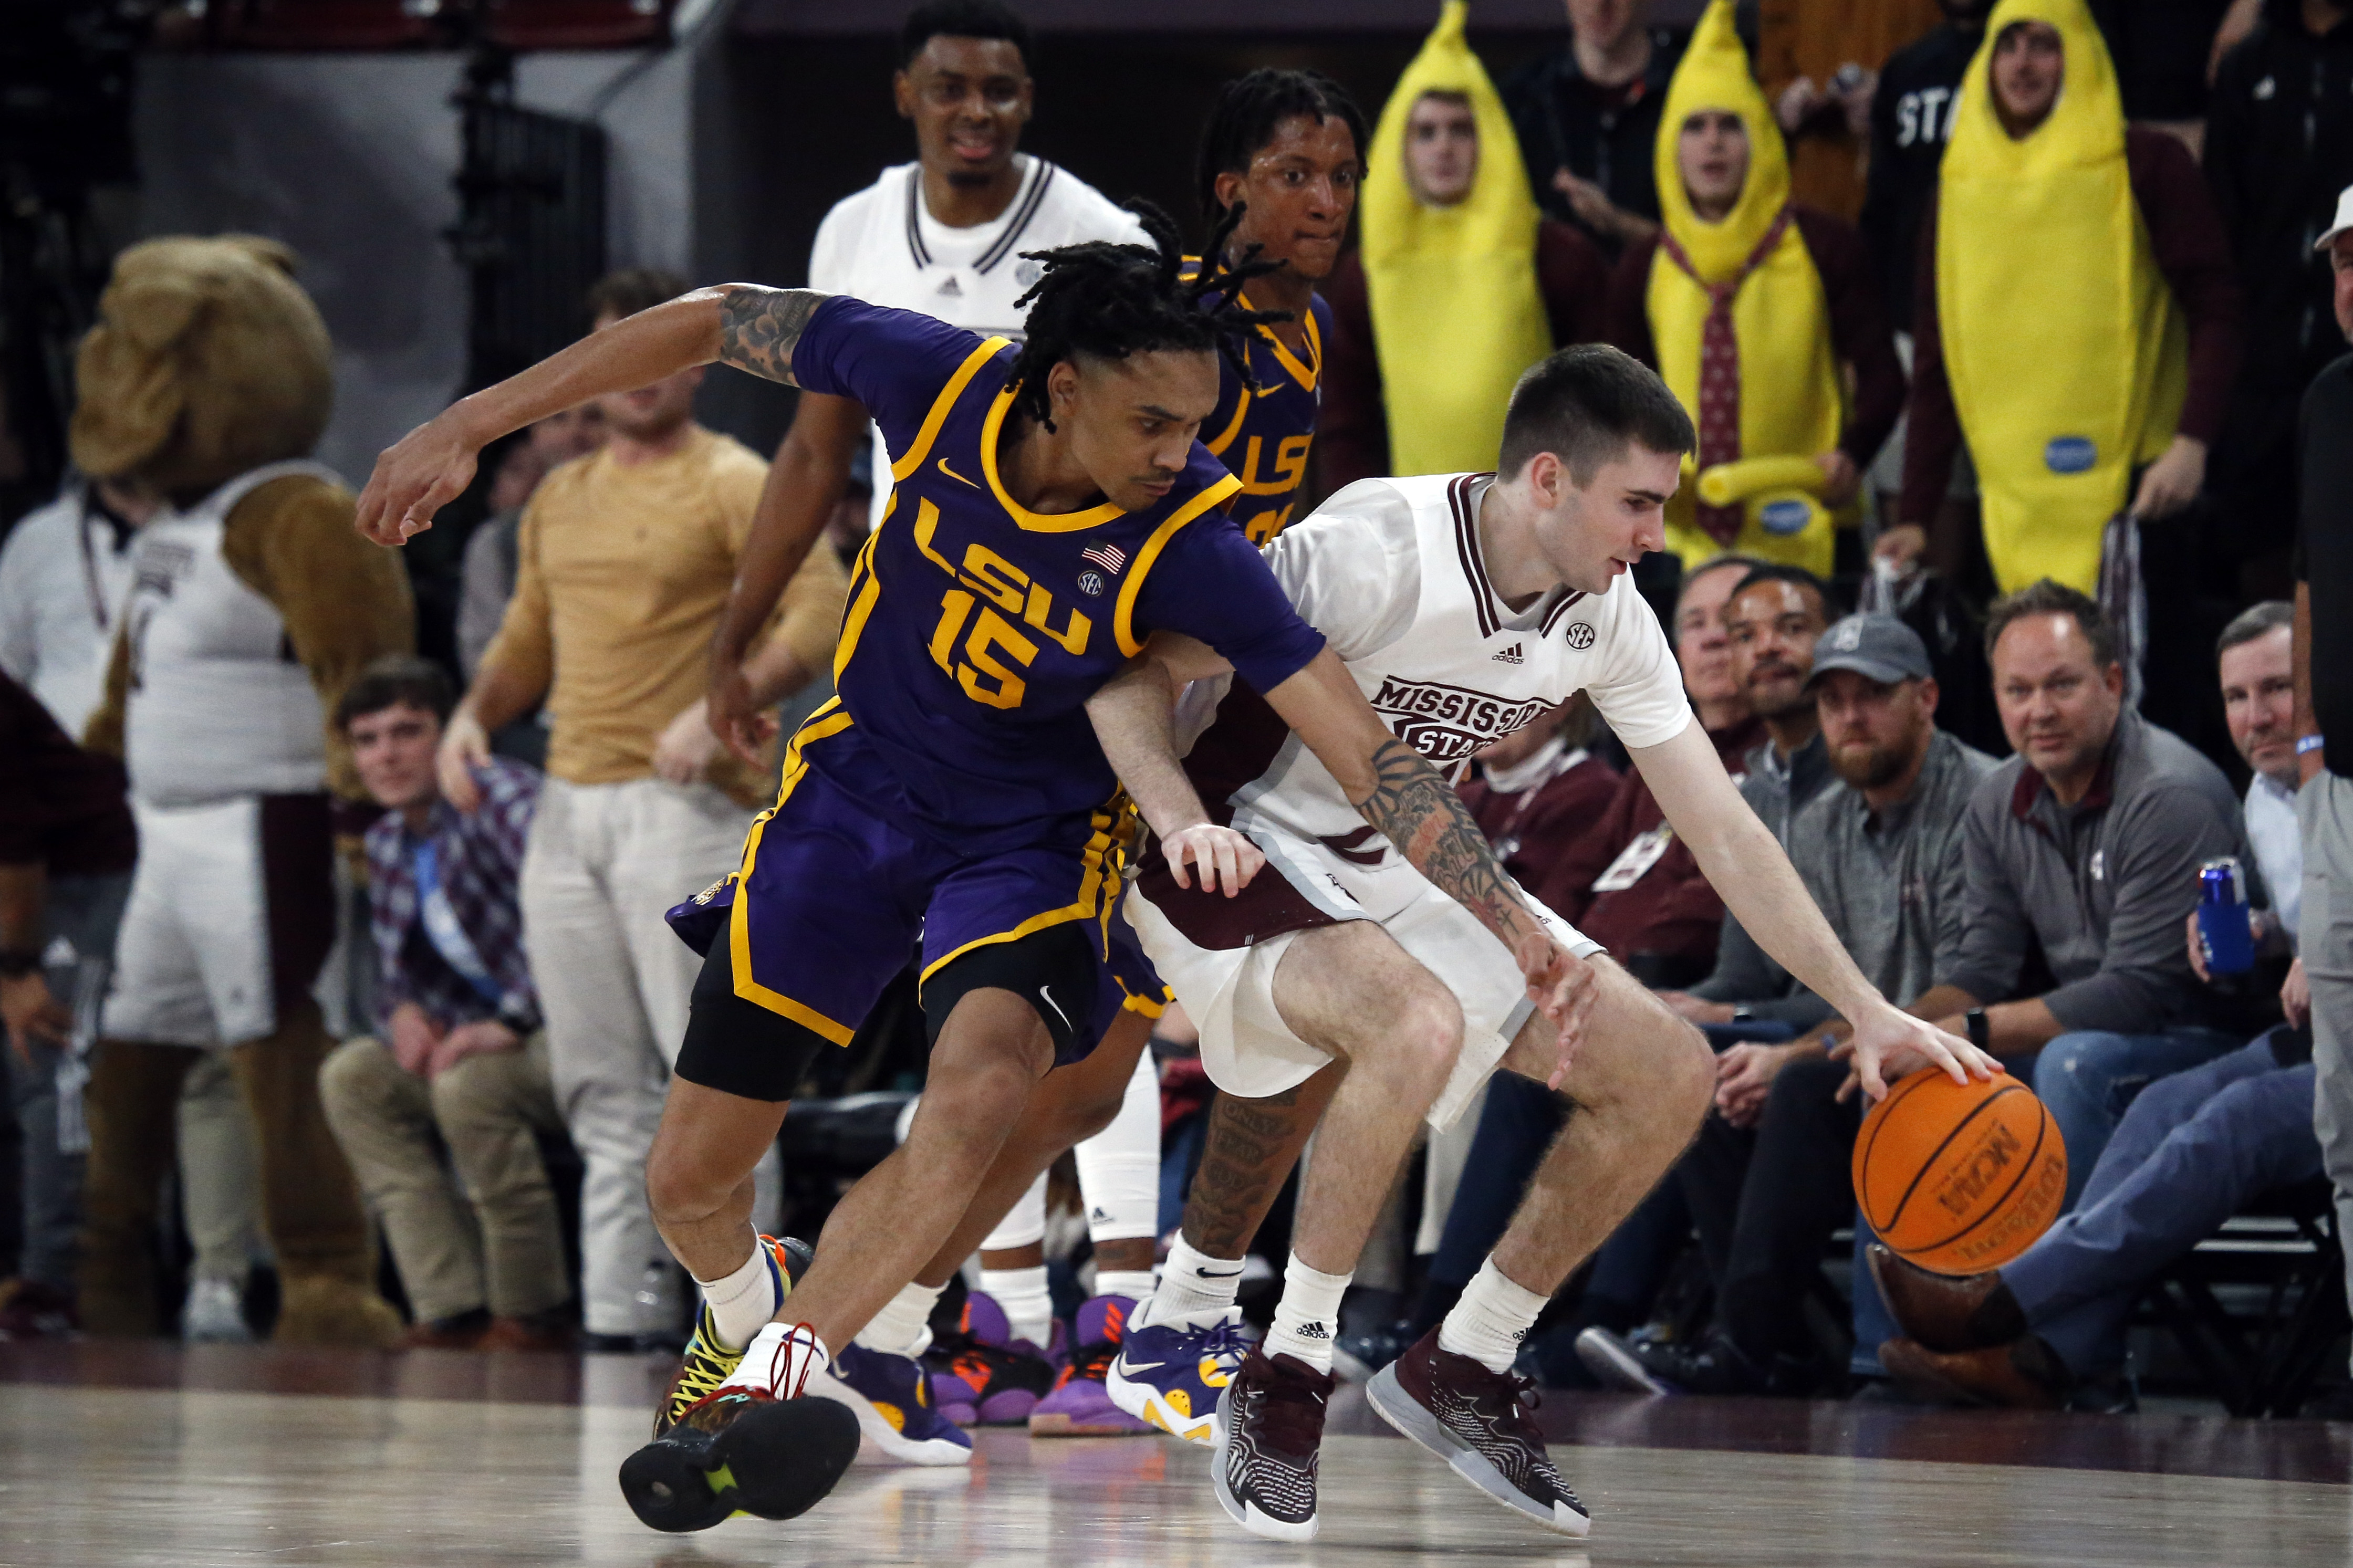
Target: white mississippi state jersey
{"x": 885, "y": 246}
{"x": 1391, "y": 572}
{"x": 219, "y": 706}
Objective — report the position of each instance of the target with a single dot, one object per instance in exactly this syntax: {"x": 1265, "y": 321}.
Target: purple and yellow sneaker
{"x": 1171, "y": 1374}
{"x": 1080, "y": 1405}
{"x": 891, "y": 1398}
{"x": 981, "y": 1374}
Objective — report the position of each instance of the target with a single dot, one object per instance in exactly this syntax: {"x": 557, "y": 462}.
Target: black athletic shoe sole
{"x": 776, "y": 1460}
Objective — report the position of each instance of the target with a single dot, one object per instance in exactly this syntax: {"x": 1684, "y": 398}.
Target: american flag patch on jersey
{"x": 1110, "y": 557}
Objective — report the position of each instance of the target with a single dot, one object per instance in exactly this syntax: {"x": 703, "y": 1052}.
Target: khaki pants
{"x": 605, "y": 861}
{"x": 496, "y": 1243}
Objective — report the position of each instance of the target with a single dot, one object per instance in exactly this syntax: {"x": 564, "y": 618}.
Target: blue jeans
{"x": 2189, "y": 1153}
{"x": 83, "y": 913}
{"x": 2088, "y": 1077}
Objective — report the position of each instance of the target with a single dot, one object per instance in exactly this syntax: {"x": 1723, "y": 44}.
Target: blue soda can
{"x": 2224, "y": 927}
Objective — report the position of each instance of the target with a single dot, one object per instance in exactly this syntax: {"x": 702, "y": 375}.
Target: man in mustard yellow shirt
{"x": 624, "y": 561}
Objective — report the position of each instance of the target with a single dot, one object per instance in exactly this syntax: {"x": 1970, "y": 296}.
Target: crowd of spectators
{"x": 1995, "y": 722}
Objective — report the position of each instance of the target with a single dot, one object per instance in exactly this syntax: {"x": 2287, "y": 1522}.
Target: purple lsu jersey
{"x": 976, "y": 629}
{"x": 1263, "y": 437}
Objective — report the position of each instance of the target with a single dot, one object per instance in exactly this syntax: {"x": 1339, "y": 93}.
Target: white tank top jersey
{"x": 1391, "y": 572}
{"x": 885, "y": 246}
{"x": 218, "y": 705}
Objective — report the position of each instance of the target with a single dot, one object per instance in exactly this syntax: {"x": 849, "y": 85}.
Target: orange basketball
{"x": 1960, "y": 1177}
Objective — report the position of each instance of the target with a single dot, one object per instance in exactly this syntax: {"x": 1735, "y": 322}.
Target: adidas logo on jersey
{"x": 1512, "y": 655}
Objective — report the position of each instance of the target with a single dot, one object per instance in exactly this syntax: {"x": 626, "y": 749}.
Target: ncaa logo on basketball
{"x": 1581, "y": 635}
{"x": 1090, "y": 583}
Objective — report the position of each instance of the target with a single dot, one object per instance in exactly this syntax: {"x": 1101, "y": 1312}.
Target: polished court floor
{"x": 151, "y": 1456}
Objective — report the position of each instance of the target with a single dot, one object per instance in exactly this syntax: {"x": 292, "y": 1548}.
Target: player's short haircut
{"x": 2253, "y": 622}
{"x": 631, "y": 290}
{"x": 2049, "y": 598}
{"x": 1585, "y": 404}
{"x": 1102, "y": 301}
{"x": 395, "y": 679}
{"x": 1797, "y": 576}
{"x": 1250, "y": 111}
{"x": 960, "y": 19}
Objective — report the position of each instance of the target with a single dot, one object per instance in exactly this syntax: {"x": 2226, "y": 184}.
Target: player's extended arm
{"x": 1405, "y": 797}
{"x": 1130, "y": 714}
{"x": 805, "y": 483}
{"x": 1750, "y": 871}
{"x": 742, "y": 324}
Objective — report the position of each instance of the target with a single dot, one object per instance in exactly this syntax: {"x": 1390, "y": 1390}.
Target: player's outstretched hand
{"x": 1887, "y": 1044}
{"x": 416, "y": 477}
{"x": 1564, "y": 988}
{"x": 1227, "y": 859}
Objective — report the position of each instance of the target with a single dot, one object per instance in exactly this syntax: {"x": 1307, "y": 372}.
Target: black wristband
{"x": 1981, "y": 1032}
{"x": 15, "y": 963}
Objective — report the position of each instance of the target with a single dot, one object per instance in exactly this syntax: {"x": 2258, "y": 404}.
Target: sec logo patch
{"x": 1581, "y": 635}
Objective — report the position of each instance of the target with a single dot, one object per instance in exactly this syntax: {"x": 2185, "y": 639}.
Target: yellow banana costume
{"x": 1457, "y": 314}
{"x": 1790, "y": 400}
{"x": 2067, "y": 354}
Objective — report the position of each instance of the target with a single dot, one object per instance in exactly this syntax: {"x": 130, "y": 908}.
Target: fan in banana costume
{"x": 1754, "y": 308}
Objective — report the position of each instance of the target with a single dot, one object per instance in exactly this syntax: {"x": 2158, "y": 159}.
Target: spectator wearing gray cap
{"x": 1881, "y": 850}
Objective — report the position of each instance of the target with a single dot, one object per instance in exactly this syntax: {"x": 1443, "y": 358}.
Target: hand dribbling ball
{"x": 1959, "y": 1178}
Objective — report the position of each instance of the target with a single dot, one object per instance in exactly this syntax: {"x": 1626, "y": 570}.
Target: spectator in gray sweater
{"x": 1766, "y": 1182}
{"x": 2086, "y": 846}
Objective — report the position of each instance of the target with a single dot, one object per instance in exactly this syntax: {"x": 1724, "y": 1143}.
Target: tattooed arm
{"x": 741, "y": 324}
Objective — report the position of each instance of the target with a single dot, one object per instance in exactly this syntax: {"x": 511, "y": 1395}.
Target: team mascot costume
{"x": 1742, "y": 327}
{"x": 1457, "y": 313}
{"x": 207, "y": 381}
{"x": 2068, "y": 356}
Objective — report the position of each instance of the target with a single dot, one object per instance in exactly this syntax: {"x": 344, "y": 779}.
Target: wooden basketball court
{"x": 116, "y": 1456}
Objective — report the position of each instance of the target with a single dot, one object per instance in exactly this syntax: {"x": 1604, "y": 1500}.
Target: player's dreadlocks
{"x": 1108, "y": 302}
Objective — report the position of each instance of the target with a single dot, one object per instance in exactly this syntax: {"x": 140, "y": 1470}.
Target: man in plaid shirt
{"x": 460, "y": 1061}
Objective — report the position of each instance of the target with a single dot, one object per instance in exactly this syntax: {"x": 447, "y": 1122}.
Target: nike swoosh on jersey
{"x": 1056, "y": 1006}
{"x": 954, "y": 474}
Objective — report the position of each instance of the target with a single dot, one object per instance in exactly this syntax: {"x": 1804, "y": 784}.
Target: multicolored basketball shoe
{"x": 707, "y": 1362}
{"x": 1080, "y": 1405}
{"x": 753, "y": 1445}
{"x": 1481, "y": 1424}
{"x": 981, "y": 1374}
{"x": 891, "y": 1398}
{"x": 1268, "y": 1436}
{"x": 1171, "y": 1374}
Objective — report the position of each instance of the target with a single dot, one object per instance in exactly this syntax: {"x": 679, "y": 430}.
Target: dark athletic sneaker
{"x": 1268, "y": 1429}
{"x": 741, "y": 1450}
{"x": 1479, "y": 1422}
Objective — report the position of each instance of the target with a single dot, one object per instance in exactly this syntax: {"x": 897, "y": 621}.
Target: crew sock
{"x": 904, "y": 1326}
{"x": 1491, "y": 1321}
{"x": 743, "y": 1300}
{"x": 1308, "y": 1315}
{"x": 1028, "y": 1301}
{"x": 1194, "y": 1286}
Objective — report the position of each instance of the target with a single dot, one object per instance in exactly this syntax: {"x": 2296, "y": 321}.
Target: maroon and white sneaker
{"x": 1266, "y": 1433}
{"x": 1480, "y": 1423}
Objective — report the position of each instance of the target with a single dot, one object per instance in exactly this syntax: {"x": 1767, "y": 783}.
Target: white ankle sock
{"x": 743, "y": 1301}
{"x": 903, "y": 1325}
{"x": 1194, "y": 1285}
{"x": 1308, "y": 1316}
{"x": 1028, "y": 1303}
{"x": 1491, "y": 1319}
{"x": 780, "y": 1360}
{"x": 1134, "y": 1284}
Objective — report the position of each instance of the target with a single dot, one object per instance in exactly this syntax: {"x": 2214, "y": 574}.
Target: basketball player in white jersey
{"x": 942, "y": 236}
{"x": 1465, "y": 606}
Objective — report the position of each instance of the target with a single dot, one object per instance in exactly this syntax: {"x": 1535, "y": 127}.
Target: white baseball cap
{"x": 2343, "y": 219}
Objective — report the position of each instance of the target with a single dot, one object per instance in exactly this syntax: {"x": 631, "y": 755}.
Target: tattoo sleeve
{"x": 1412, "y": 803}
{"x": 758, "y": 327}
